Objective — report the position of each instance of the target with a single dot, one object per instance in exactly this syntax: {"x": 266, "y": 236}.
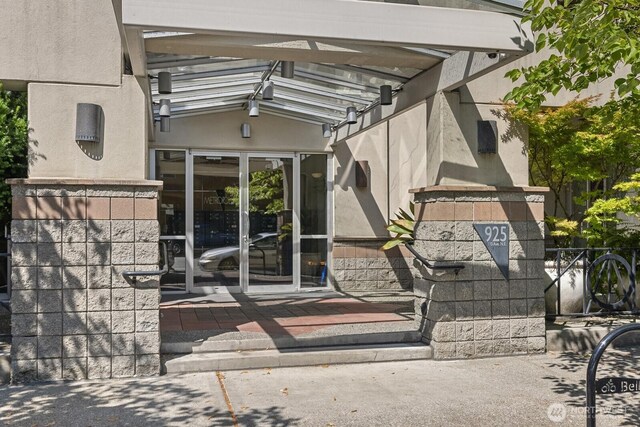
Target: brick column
{"x": 73, "y": 314}
{"x": 478, "y": 312}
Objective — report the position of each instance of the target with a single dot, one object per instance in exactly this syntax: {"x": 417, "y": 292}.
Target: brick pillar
{"x": 479, "y": 313}
{"x": 73, "y": 314}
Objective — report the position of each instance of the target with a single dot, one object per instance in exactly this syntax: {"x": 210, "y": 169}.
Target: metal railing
{"x": 605, "y": 278}
{"x": 456, "y": 267}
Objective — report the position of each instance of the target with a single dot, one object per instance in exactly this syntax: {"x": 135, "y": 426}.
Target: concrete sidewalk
{"x": 487, "y": 392}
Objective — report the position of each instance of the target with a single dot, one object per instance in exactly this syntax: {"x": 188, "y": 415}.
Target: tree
{"x": 579, "y": 143}
{"x": 265, "y": 192}
{"x": 588, "y": 39}
{"x": 14, "y": 142}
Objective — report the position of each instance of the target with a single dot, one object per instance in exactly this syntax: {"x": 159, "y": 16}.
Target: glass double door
{"x": 240, "y": 236}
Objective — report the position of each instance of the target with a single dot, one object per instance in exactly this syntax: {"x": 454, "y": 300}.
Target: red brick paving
{"x": 276, "y": 317}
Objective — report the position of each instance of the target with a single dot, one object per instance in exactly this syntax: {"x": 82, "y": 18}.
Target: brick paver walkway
{"x": 278, "y": 316}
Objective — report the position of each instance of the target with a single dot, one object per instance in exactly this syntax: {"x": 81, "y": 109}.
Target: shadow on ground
{"x": 195, "y": 400}
{"x": 614, "y": 363}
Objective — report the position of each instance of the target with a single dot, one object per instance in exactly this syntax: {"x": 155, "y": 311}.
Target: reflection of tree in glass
{"x": 265, "y": 192}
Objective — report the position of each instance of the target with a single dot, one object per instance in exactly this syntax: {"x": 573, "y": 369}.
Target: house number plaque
{"x": 496, "y": 238}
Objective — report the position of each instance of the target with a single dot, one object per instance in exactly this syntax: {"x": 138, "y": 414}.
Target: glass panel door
{"x": 216, "y": 223}
{"x": 271, "y": 264}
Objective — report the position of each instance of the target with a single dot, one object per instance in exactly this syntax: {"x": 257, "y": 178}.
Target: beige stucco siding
{"x": 70, "y": 41}
{"x": 52, "y": 116}
{"x": 221, "y": 131}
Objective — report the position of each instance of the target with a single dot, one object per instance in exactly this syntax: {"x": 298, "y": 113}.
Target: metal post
{"x": 558, "y": 270}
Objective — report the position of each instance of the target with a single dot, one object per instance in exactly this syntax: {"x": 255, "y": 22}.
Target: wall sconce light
{"x": 487, "y": 136}
{"x": 287, "y": 69}
{"x": 317, "y": 175}
{"x": 89, "y": 121}
{"x": 267, "y": 90}
{"x": 165, "y": 108}
{"x": 245, "y": 130}
{"x": 165, "y": 124}
{"x": 386, "y": 95}
{"x": 164, "y": 82}
{"x": 254, "y": 108}
{"x": 362, "y": 168}
{"x": 352, "y": 115}
{"x": 326, "y": 130}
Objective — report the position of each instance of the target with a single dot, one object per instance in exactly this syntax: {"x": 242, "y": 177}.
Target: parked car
{"x": 262, "y": 255}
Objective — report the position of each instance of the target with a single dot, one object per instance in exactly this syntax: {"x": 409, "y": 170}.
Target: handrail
{"x": 456, "y": 267}
{"x": 132, "y": 275}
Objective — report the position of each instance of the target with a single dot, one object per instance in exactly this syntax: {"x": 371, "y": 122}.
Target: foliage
{"x": 607, "y": 227}
{"x": 402, "y": 227}
{"x": 579, "y": 143}
{"x": 14, "y": 141}
{"x": 265, "y": 192}
{"x": 588, "y": 41}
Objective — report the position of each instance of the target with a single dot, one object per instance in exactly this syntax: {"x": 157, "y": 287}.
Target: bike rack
{"x": 592, "y": 386}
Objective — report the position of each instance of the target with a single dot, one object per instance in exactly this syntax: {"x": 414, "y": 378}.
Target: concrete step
{"x": 226, "y": 361}
{"x": 234, "y": 341}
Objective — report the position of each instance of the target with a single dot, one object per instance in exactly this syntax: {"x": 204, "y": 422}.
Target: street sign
{"x": 496, "y": 238}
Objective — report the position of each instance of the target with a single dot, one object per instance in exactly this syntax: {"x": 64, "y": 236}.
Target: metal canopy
{"x": 219, "y": 53}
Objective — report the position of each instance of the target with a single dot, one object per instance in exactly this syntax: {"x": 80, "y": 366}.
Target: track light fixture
{"x": 326, "y": 130}
{"x": 386, "y": 95}
{"x": 267, "y": 90}
{"x": 164, "y": 82}
{"x": 287, "y": 69}
{"x": 165, "y": 107}
{"x": 254, "y": 108}
{"x": 165, "y": 124}
{"x": 352, "y": 115}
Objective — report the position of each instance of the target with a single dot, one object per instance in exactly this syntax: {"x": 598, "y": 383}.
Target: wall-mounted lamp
{"x": 487, "y": 136}
{"x": 352, "y": 115}
{"x": 326, "y": 130}
{"x": 317, "y": 175}
{"x": 287, "y": 69}
{"x": 267, "y": 90}
{"x": 164, "y": 82}
{"x": 362, "y": 169}
{"x": 165, "y": 108}
{"x": 254, "y": 108}
{"x": 89, "y": 122}
{"x": 245, "y": 130}
{"x": 165, "y": 124}
{"x": 386, "y": 95}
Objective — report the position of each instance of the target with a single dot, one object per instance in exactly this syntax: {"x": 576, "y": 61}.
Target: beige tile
{"x": 499, "y": 211}
{"x": 74, "y": 208}
{"x": 24, "y": 208}
{"x": 482, "y": 211}
{"x": 49, "y": 208}
{"x": 535, "y": 211}
{"x": 146, "y": 208}
{"x": 442, "y": 211}
{"x": 463, "y": 211}
{"x": 121, "y": 208}
{"x": 98, "y": 208}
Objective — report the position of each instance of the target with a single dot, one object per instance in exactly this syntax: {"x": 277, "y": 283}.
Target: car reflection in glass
{"x": 262, "y": 256}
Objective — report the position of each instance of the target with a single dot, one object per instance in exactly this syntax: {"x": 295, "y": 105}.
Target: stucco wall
{"x": 71, "y": 41}
{"x": 221, "y": 131}
{"x": 52, "y": 116}
{"x": 455, "y": 143}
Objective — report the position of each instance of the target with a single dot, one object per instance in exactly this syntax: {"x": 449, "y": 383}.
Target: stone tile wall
{"x": 478, "y": 312}
{"x": 74, "y": 316}
{"x": 362, "y": 266}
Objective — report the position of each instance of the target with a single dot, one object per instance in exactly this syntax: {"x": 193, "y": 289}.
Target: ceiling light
{"x": 254, "y": 108}
{"x": 165, "y": 107}
{"x": 164, "y": 82}
{"x": 245, "y": 130}
{"x": 267, "y": 90}
{"x": 386, "y": 95}
{"x": 165, "y": 124}
{"x": 326, "y": 130}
